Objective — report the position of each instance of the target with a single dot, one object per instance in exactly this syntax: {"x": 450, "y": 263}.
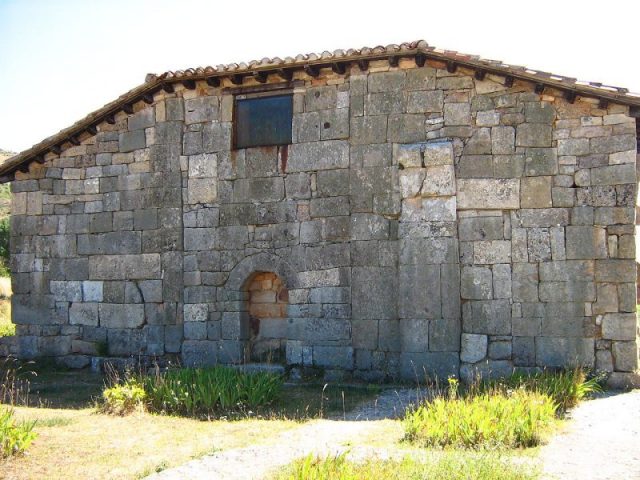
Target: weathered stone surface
{"x": 533, "y": 135}
{"x": 586, "y": 242}
{"x": 619, "y": 326}
{"x": 318, "y": 156}
{"x": 565, "y": 352}
{"x": 488, "y": 194}
{"x": 114, "y": 315}
{"x": 474, "y": 347}
{"x": 535, "y": 192}
{"x": 476, "y": 283}
{"x": 121, "y": 267}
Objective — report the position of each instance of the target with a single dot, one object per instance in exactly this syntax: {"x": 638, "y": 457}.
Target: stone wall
{"x": 421, "y": 221}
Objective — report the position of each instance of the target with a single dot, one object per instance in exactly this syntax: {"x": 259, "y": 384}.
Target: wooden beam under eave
{"x": 127, "y": 108}
{"x": 363, "y": 65}
{"x": 110, "y": 119}
{"x": 339, "y": 67}
{"x": 213, "y": 81}
{"x": 167, "y": 87}
{"x": 570, "y": 96}
{"x": 237, "y": 79}
{"x": 147, "y": 98}
{"x": 55, "y": 149}
{"x": 479, "y": 75}
{"x": 603, "y": 104}
{"x": 420, "y": 59}
{"x": 539, "y": 88}
{"x": 311, "y": 70}
{"x": 285, "y": 74}
{"x": 92, "y": 130}
{"x": 260, "y": 77}
{"x": 73, "y": 141}
{"x": 452, "y": 66}
{"x": 189, "y": 84}
{"x": 394, "y": 60}
{"x": 508, "y": 81}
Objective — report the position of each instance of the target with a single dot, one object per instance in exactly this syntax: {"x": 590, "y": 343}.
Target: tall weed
{"x": 15, "y": 437}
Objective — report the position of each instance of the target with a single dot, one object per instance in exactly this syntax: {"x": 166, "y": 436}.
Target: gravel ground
{"x": 322, "y": 437}
{"x": 601, "y": 442}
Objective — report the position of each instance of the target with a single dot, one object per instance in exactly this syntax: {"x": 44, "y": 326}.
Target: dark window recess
{"x": 263, "y": 121}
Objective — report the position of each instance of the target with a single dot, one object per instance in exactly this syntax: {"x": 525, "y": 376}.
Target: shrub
{"x": 197, "y": 391}
{"x": 5, "y": 232}
{"x": 448, "y": 466}
{"x": 123, "y": 399}
{"x": 493, "y": 418}
{"x": 15, "y": 437}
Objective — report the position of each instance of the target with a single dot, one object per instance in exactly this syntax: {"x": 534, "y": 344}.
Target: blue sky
{"x": 61, "y": 59}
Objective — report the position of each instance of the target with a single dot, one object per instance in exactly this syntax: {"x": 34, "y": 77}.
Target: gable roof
{"x": 338, "y": 61}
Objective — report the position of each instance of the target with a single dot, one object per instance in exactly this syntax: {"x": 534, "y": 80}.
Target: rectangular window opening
{"x": 261, "y": 120}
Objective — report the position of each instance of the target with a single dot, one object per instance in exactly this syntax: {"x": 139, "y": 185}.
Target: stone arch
{"x": 237, "y": 332}
{"x": 261, "y": 262}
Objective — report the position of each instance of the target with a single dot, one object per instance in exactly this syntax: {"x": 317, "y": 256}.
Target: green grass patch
{"x": 53, "y": 422}
{"x": 15, "y": 437}
{"x": 516, "y": 412}
{"x": 566, "y": 387}
{"x": 200, "y": 392}
{"x": 486, "y": 420}
{"x": 446, "y": 466}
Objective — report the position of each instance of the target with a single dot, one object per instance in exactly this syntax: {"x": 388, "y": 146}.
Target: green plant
{"x": 15, "y": 437}
{"x": 493, "y": 418}
{"x": 7, "y": 330}
{"x": 5, "y": 232}
{"x": 205, "y": 391}
{"x": 446, "y": 466}
{"x": 566, "y": 387}
{"x": 123, "y": 399}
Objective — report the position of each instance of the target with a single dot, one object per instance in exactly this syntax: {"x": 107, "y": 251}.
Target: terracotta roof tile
{"x": 154, "y": 82}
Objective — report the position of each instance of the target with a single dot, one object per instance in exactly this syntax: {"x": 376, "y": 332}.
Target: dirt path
{"x": 602, "y": 441}
{"x": 322, "y": 437}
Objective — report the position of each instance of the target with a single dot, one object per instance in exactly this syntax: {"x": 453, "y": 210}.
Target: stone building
{"x": 381, "y": 213}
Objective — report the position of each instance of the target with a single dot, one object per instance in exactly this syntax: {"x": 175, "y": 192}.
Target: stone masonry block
{"x": 488, "y": 194}
{"x": 535, "y": 192}
{"x": 620, "y": 326}
{"x": 117, "y": 315}
{"x": 586, "y": 242}
{"x": 474, "y": 347}
{"x": 477, "y": 283}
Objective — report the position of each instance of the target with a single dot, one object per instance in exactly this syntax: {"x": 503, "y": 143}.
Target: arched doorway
{"x": 267, "y": 302}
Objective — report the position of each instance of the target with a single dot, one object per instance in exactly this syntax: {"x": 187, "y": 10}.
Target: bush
{"x": 123, "y": 399}
{"x": 15, "y": 437}
{"x": 204, "y": 391}
{"x": 493, "y": 418}
{"x": 448, "y": 466}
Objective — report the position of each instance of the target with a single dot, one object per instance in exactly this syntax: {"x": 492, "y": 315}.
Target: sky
{"x": 62, "y": 59}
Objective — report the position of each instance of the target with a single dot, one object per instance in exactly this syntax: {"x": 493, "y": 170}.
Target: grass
{"x": 63, "y": 405}
{"x": 208, "y": 391}
{"x": 7, "y": 328}
{"x": 446, "y": 466}
{"x": 565, "y": 387}
{"x": 517, "y": 412}
{"x": 82, "y": 444}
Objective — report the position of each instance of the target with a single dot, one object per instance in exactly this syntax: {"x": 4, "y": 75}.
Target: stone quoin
{"x": 428, "y": 213}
